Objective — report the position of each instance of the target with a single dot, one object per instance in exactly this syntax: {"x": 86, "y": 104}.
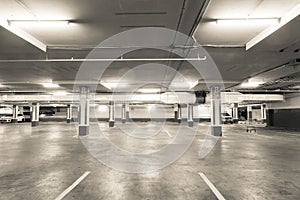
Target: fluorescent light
{"x": 38, "y": 23}
{"x": 22, "y": 34}
{"x": 149, "y": 90}
{"x": 113, "y": 85}
{"x": 251, "y": 84}
{"x": 109, "y": 85}
{"x": 248, "y": 21}
{"x": 60, "y": 93}
{"x": 50, "y": 85}
{"x": 292, "y": 14}
{"x": 291, "y": 87}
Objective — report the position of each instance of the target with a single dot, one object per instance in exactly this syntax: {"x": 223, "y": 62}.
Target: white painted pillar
{"x": 127, "y": 112}
{"x": 190, "y": 119}
{"x": 235, "y": 113}
{"x": 263, "y": 113}
{"x": 216, "y": 128}
{"x": 111, "y": 114}
{"x": 15, "y": 114}
{"x": 175, "y": 112}
{"x": 84, "y": 111}
{"x": 249, "y": 113}
{"x": 123, "y": 113}
{"x": 179, "y": 114}
{"x": 35, "y": 114}
{"x": 69, "y": 113}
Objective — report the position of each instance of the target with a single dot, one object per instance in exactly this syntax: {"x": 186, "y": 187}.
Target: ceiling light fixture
{"x": 248, "y": 21}
{"x": 251, "y": 84}
{"x": 109, "y": 85}
{"x": 149, "y": 90}
{"x": 113, "y": 85}
{"x": 39, "y": 23}
{"x": 50, "y": 85}
{"x": 24, "y": 35}
{"x": 60, "y": 93}
{"x": 292, "y": 14}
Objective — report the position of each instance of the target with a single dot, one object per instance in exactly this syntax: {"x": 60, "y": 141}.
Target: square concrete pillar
{"x": 216, "y": 130}
{"x": 83, "y": 130}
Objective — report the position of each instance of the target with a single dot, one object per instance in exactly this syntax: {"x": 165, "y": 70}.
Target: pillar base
{"x": 216, "y": 130}
{"x": 83, "y": 130}
{"x": 179, "y": 121}
{"x": 68, "y": 120}
{"x": 263, "y": 121}
{"x": 190, "y": 123}
{"x": 14, "y": 121}
{"x": 111, "y": 123}
{"x": 123, "y": 121}
{"x": 34, "y": 123}
{"x": 235, "y": 121}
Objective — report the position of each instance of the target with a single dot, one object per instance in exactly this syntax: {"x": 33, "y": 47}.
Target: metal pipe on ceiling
{"x": 90, "y": 48}
{"x": 107, "y": 60}
{"x": 269, "y": 91}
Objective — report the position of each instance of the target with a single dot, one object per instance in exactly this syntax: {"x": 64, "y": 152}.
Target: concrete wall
{"x": 290, "y": 102}
{"x": 256, "y": 114}
{"x": 285, "y": 114}
{"x": 146, "y": 111}
{"x": 153, "y": 111}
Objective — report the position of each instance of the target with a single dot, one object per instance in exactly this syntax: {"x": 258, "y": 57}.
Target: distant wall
{"x": 285, "y": 114}
{"x": 153, "y": 111}
{"x": 290, "y": 102}
{"x": 285, "y": 118}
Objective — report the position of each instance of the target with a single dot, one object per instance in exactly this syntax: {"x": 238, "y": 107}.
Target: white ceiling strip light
{"x": 39, "y": 23}
{"x": 22, "y": 34}
{"x": 247, "y": 21}
{"x": 283, "y": 21}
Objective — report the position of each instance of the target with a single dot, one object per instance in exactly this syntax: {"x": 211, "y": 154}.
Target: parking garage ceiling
{"x": 96, "y": 21}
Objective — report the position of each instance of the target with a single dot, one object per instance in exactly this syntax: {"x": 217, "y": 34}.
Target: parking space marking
{"x": 212, "y": 187}
{"x": 71, "y": 187}
{"x": 168, "y": 133}
{"x": 263, "y": 136}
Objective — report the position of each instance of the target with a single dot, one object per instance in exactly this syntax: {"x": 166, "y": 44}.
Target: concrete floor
{"x": 41, "y": 162}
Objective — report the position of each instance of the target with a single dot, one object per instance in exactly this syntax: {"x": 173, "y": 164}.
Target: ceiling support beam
{"x": 25, "y": 36}
{"x": 269, "y": 31}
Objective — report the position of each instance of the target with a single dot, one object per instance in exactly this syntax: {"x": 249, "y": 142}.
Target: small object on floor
{"x": 251, "y": 128}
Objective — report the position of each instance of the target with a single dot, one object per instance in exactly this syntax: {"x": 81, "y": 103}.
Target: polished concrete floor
{"x": 41, "y": 162}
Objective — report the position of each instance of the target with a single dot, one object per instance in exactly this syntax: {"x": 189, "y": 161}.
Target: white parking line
{"x": 168, "y": 133}
{"x": 263, "y": 136}
{"x": 212, "y": 187}
{"x": 71, "y": 187}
